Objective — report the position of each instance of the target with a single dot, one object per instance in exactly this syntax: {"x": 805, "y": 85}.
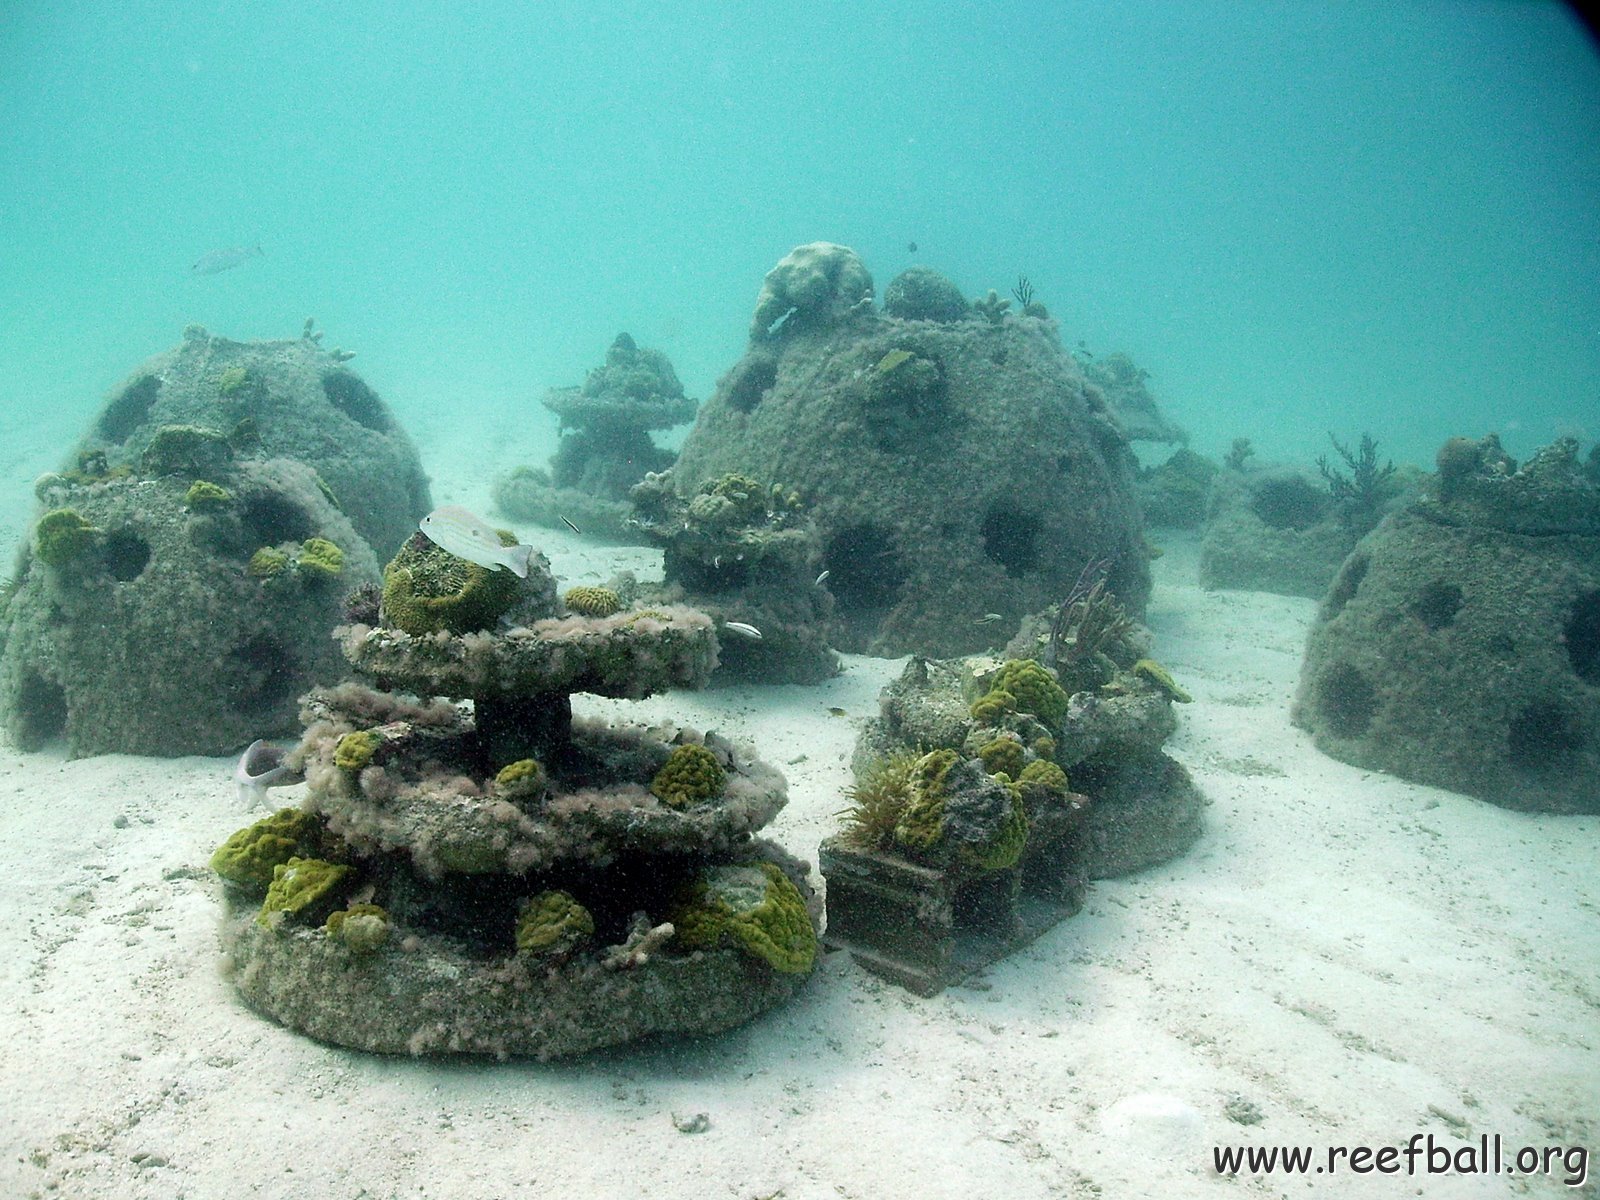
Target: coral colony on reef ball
{"x": 951, "y": 457}
{"x": 1460, "y": 643}
{"x": 182, "y": 579}
{"x": 477, "y": 871}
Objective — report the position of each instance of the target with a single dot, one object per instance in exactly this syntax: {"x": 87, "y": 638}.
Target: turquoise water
{"x": 1297, "y": 217}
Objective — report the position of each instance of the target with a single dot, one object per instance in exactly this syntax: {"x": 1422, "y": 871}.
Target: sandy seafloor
{"x": 1349, "y": 957}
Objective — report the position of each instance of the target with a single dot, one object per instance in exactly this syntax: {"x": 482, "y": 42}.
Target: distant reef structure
{"x": 955, "y": 463}
{"x": 187, "y": 566}
{"x": 605, "y": 447}
{"x": 1285, "y": 528}
{"x": 501, "y": 877}
{"x": 1459, "y": 645}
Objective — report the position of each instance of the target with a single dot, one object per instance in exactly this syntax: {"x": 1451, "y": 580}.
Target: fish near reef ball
{"x": 468, "y": 536}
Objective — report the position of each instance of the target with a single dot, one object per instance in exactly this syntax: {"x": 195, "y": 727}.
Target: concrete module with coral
{"x": 479, "y": 872}
{"x": 1460, "y": 643}
{"x": 989, "y": 791}
{"x": 188, "y": 566}
{"x": 605, "y": 447}
{"x": 953, "y": 460}
{"x": 745, "y": 552}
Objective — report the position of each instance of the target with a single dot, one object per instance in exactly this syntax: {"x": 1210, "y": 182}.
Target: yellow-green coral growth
{"x": 1149, "y": 669}
{"x": 61, "y": 536}
{"x": 755, "y": 906}
{"x": 320, "y": 558}
{"x": 553, "y": 923}
{"x": 303, "y": 887}
{"x": 355, "y": 750}
{"x": 204, "y": 494}
{"x": 1035, "y": 689}
{"x": 691, "y": 775}
{"x": 593, "y": 601}
{"x": 249, "y": 856}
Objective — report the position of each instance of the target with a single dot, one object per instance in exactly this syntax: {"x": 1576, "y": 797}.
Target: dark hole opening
{"x": 263, "y": 675}
{"x": 269, "y": 518}
{"x": 1011, "y": 539}
{"x": 41, "y": 712}
{"x": 750, "y": 381}
{"x": 1346, "y": 700}
{"x": 864, "y": 569}
{"x": 1542, "y": 736}
{"x": 1437, "y": 604}
{"x": 355, "y": 399}
{"x": 129, "y": 410}
{"x": 1288, "y": 502}
{"x": 1345, "y": 585}
{"x": 1582, "y": 635}
{"x": 126, "y": 554}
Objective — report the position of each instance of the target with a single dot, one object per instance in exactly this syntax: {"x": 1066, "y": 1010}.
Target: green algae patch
{"x": 753, "y": 906}
{"x": 62, "y": 536}
{"x": 355, "y": 750}
{"x": 1033, "y": 688}
{"x": 250, "y": 856}
{"x": 1153, "y": 672}
{"x": 691, "y": 775}
{"x": 203, "y": 495}
{"x": 304, "y": 889}
{"x": 268, "y": 563}
{"x": 553, "y": 923}
{"x": 362, "y": 928}
{"x": 320, "y": 558}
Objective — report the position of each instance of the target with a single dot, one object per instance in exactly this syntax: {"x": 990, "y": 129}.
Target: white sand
{"x": 1357, "y": 958}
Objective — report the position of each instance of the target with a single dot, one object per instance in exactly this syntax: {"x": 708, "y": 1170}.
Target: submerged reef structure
{"x": 746, "y": 553}
{"x": 605, "y": 445}
{"x": 1459, "y": 645}
{"x": 479, "y": 871}
{"x": 988, "y": 792}
{"x": 186, "y": 570}
{"x": 1287, "y": 529}
{"x": 954, "y": 463}
{"x": 1123, "y": 387}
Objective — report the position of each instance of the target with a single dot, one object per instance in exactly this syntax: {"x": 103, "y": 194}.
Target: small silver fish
{"x": 261, "y": 767}
{"x": 224, "y": 260}
{"x": 749, "y": 631}
{"x": 988, "y": 619}
{"x": 468, "y": 536}
{"x": 823, "y": 578}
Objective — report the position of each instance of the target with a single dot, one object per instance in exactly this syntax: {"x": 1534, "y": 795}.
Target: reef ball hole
{"x": 1346, "y": 700}
{"x": 750, "y": 381}
{"x": 269, "y": 518}
{"x": 1288, "y": 502}
{"x": 1542, "y": 735}
{"x": 864, "y": 569}
{"x": 129, "y": 410}
{"x": 41, "y": 711}
{"x": 1582, "y": 635}
{"x": 126, "y": 554}
{"x": 352, "y": 397}
{"x": 1011, "y": 539}
{"x": 1437, "y": 604}
{"x": 260, "y": 675}
{"x": 1345, "y": 585}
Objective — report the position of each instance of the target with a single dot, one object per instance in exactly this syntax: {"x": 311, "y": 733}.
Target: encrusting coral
{"x": 484, "y": 872}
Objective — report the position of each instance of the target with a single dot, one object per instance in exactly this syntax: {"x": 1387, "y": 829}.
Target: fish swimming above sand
{"x": 261, "y": 767}
{"x": 469, "y": 536}
{"x": 224, "y": 260}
